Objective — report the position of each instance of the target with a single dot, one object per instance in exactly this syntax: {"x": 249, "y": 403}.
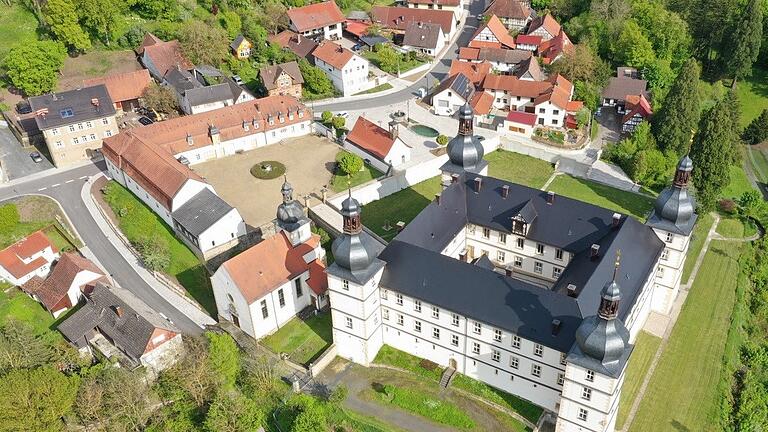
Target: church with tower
{"x": 536, "y": 294}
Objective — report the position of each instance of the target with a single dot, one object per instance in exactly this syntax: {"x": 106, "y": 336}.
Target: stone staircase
{"x": 445, "y": 379}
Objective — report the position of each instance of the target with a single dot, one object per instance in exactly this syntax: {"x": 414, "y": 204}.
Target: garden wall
{"x": 323, "y": 361}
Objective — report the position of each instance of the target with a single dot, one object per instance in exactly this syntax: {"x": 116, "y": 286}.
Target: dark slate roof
{"x": 181, "y": 80}
{"x": 373, "y": 40}
{"x": 236, "y": 43}
{"x": 201, "y": 212}
{"x": 130, "y": 332}
{"x": 484, "y": 262}
{"x": 459, "y": 83}
{"x": 568, "y": 224}
{"x": 422, "y": 35}
{"x": 209, "y": 94}
{"x": 73, "y": 106}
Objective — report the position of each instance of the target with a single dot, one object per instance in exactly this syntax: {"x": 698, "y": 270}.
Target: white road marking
{"x": 42, "y": 189}
{"x": 83, "y": 177}
{"x": 56, "y": 184}
{"x": 69, "y": 181}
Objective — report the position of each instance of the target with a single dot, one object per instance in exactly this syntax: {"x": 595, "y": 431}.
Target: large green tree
{"x": 675, "y": 122}
{"x": 100, "y": 16}
{"x": 632, "y": 47}
{"x": 21, "y": 348}
{"x": 316, "y": 82}
{"x": 711, "y": 154}
{"x": 36, "y": 400}
{"x": 744, "y": 46}
{"x": 757, "y": 131}
{"x": 114, "y": 399}
{"x": 63, "y": 22}
{"x": 223, "y": 358}
{"x": 233, "y": 412}
{"x": 33, "y": 67}
{"x": 204, "y": 44}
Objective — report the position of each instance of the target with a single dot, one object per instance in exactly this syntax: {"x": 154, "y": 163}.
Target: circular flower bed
{"x": 267, "y": 170}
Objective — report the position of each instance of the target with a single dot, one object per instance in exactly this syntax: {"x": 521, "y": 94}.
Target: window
{"x": 502, "y": 238}
{"x": 556, "y": 272}
{"x": 417, "y": 305}
{"x": 55, "y": 131}
{"x": 497, "y": 335}
{"x": 670, "y": 237}
{"x": 555, "y": 112}
{"x": 59, "y": 144}
{"x": 541, "y": 121}
{"x": 514, "y": 362}
{"x": 536, "y": 370}
{"x": 264, "y": 310}
{"x": 92, "y": 137}
{"x": 516, "y": 341}
{"x": 281, "y": 297}
{"x": 475, "y": 348}
{"x": 108, "y": 133}
{"x": 562, "y": 358}
{"x": 345, "y": 284}
{"x": 554, "y": 121}
{"x": 500, "y": 256}
{"x": 538, "y": 267}
{"x": 520, "y": 243}
{"x": 518, "y": 261}
{"x": 105, "y": 121}
{"x": 417, "y": 326}
{"x": 435, "y": 312}
{"x": 664, "y": 254}
{"x": 88, "y": 124}
{"x": 455, "y": 320}
{"x": 384, "y": 294}
{"x": 399, "y": 299}
{"x": 559, "y": 254}
{"x": 75, "y": 140}
{"x": 495, "y": 356}
{"x": 538, "y": 350}
{"x": 66, "y": 113}
{"x": 299, "y": 290}
{"x": 455, "y": 340}
{"x": 399, "y": 319}
{"x": 486, "y": 233}
{"x": 80, "y": 126}
{"x": 385, "y": 314}
{"x": 349, "y": 322}
{"x": 582, "y": 414}
{"x": 436, "y": 333}
{"x": 542, "y": 110}
{"x": 560, "y": 379}
{"x": 471, "y": 229}
{"x": 660, "y": 273}
{"x": 539, "y": 249}
{"x": 586, "y": 393}
{"x": 477, "y": 328}
{"x": 71, "y": 128}
{"x": 590, "y": 376}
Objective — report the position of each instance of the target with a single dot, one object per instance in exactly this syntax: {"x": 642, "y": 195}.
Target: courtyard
{"x": 308, "y": 164}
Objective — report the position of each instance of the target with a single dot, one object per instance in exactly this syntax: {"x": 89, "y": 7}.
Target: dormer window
{"x": 246, "y": 126}
{"x": 519, "y": 227}
{"x": 301, "y": 114}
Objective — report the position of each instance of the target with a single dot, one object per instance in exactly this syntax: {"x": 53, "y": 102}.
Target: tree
{"x": 442, "y": 139}
{"x": 311, "y": 416}
{"x": 21, "y": 348}
{"x": 710, "y": 152}
{"x": 62, "y": 19}
{"x": 274, "y": 16}
{"x": 316, "y": 82}
{"x": 374, "y": 30}
{"x": 579, "y": 64}
{"x": 667, "y": 31}
{"x": 203, "y": 43}
{"x": 744, "y": 44}
{"x": 114, "y": 399}
{"x": 161, "y": 99}
{"x": 389, "y": 59}
{"x": 231, "y": 22}
{"x": 99, "y": 16}
{"x": 36, "y": 400}
{"x": 751, "y": 203}
{"x": 191, "y": 379}
{"x": 757, "y": 131}
{"x": 154, "y": 253}
{"x": 582, "y": 117}
{"x": 350, "y": 163}
{"x": 632, "y": 47}
{"x": 157, "y": 9}
{"x": 33, "y": 67}
{"x": 233, "y": 412}
{"x": 675, "y": 122}
{"x": 588, "y": 93}
{"x": 223, "y": 358}
{"x": 338, "y": 122}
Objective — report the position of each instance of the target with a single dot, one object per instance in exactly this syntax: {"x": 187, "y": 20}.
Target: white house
{"x": 29, "y": 257}
{"x": 347, "y": 70}
{"x": 264, "y": 287}
{"x": 452, "y": 94}
{"x": 545, "y": 26}
{"x": 322, "y": 20}
{"x": 547, "y": 99}
{"x": 504, "y": 60}
{"x": 383, "y": 149}
{"x": 425, "y": 38}
{"x": 455, "y": 6}
{"x": 492, "y": 34}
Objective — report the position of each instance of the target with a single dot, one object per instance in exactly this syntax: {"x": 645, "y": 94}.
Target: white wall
{"x": 225, "y": 230}
{"x": 41, "y": 271}
{"x": 447, "y": 102}
{"x": 550, "y": 114}
{"x": 187, "y": 191}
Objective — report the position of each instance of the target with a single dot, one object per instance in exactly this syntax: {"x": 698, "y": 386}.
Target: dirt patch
{"x": 96, "y": 64}
{"x": 37, "y": 209}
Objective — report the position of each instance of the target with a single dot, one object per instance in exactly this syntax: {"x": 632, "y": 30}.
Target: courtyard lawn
{"x": 400, "y": 206}
{"x": 753, "y": 95}
{"x": 138, "y": 221}
{"x": 700, "y": 232}
{"x": 683, "y": 394}
{"x": 518, "y": 168}
{"x": 302, "y": 340}
{"x": 739, "y": 183}
{"x": 38, "y": 213}
{"x": 603, "y": 196}
{"x": 426, "y": 405}
{"x": 15, "y": 305}
{"x": 646, "y": 346}
{"x": 736, "y": 227}
{"x": 340, "y": 183}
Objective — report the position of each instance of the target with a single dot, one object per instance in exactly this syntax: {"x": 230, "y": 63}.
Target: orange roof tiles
{"x": 11, "y": 258}
{"x": 636, "y": 104}
{"x": 167, "y": 55}
{"x": 371, "y": 138}
{"x": 124, "y": 86}
{"x": 315, "y": 16}
{"x": 399, "y": 17}
{"x": 55, "y": 287}
{"x": 318, "y": 280}
{"x": 481, "y": 103}
{"x": 547, "y": 22}
{"x": 499, "y": 31}
{"x": 515, "y": 86}
{"x": 574, "y": 106}
{"x": 476, "y": 72}
{"x": 333, "y": 54}
{"x": 294, "y": 42}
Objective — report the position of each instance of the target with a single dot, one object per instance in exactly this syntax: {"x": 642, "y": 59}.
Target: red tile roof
{"x": 476, "y": 72}
{"x": 357, "y": 28}
{"x": 547, "y": 22}
{"x": 528, "y": 40}
{"x": 495, "y": 26}
{"x": 268, "y": 265}
{"x": 149, "y": 39}
{"x": 636, "y": 104}
{"x": 371, "y": 138}
{"x": 167, "y": 55}
{"x": 315, "y": 16}
{"x": 466, "y": 53}
{"x": 124, "y": 86}
{"x": 333, "y": 54}
{"x": 436, "y": 2}
{"x": 399, "y": 17}
{"x": 574, "y": 106}
{"x": 522, "y": 117}
{"x": 11, "y": 258}
{"x": 481, "y": 103}
{"x": 515, "y": 86}
{"x": 551, "y": 49}
{"x": 318, "y": 280}
{"x": 294, "y": 42}
{"x": 59, "y": 281}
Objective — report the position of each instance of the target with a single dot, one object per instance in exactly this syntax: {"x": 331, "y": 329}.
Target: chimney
{"x": 118, "y": 310}
{"x": 556, "y": 324}
{"x": 95, "y": 102}
{"x": 594, "y": 251}
{"x": 437, "y": 199}
{"x": 478, "y": 184}
{"x": 616, "y": 220}
{"x": 508, "y": 271}
{"x": 505, "y": 191}
{"x": 571, "y": 290}
{"x": 190, "y": 141}
{"x": 463, "y": 256}
{"x": 550, "y": 197}
{"x": 298, "y": 38}
{"x": 454, "y": 178}
{"x": 213, "y": 132}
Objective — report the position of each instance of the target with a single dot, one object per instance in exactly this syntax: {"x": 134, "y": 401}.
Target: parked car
{"x": 357, "y": 47}
{"x": 36, "y": 158}
{"x": 237, "y": 80}
{"x": 599, "y": 111}
{"x": 146, "y": 121}
{"x": 23, "y": 107}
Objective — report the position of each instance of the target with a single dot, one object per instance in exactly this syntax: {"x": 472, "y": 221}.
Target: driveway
{"x": 609, "y": 130}
{"x": 15, "y": 158}
{"x": 308, "y": 162}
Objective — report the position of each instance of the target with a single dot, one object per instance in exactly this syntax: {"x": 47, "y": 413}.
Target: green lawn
{"x": 603, "y": 196}
{"x": 735, "y": 227}
{"x": 19, "y": 26}
{"x": 700, "y": 232}
{"x": 683, "y": 394}
{"x": 302, "y": 340}
{"x": 646, "y": 346}
{"x": 139, "y": 221}
{"x": 753, "y": 95}
{"x": 400, "y": 206}
{"x": 340, "y": 183}
{"x": 364, "y": 5}
{"x": 759, "y": 163}
{"x": 15, "y": 305}
{"x": 518, "y": 168}
{"x": 739, "y": 183}
{"x": 379, "y": 88}
{"x": 393, "y": 357}
{"x": 426, "y": 405}
{"x": 405, "y": 64}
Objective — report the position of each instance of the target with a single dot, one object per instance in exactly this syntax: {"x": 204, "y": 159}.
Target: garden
{"x": 28, "y": 214}
{"x": 303, "y": 340}
{"x": 351, "y": 171}
{"x": 392, "y": 61}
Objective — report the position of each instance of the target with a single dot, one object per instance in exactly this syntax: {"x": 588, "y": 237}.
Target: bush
{"x": 350, "y": 163}
{"x": 428, "y": 365}
{"x": 338, "y": 395}
{"x": 327, "y": 116}
{"x": 9, "y": 217}
{"x": 442, "y": 139}
{"x": 267, "y": 170}
{"x": 154, "y": 253}
{"x": 339, "y": 122}
{"x": 727, "y": 206}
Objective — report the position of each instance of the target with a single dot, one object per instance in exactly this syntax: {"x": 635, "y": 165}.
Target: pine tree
{"x": 675, "y": 122}
{"x": 757, "y": 131}
{"x": 62, "y": 19}
{"x": 745, "y": 44}
{"x": 711, "y": 152}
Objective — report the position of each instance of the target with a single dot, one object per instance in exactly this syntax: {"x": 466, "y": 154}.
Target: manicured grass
{"x": 646, "y": 346}
{"x": 739, "y": 183}
{"x": 730, "y": 227}
{"x": 683, "y": 394}
{"x": 518, "y": 168}
{"x": 360, "y": 423}
{"x": 379, "y": 88}
{"x": 427, "y": 406}
{"x": 393, "y": 357}
{"x": 19, "y": 26}
{"x": 340, "y": 183}
{"x": 757, "y": 158}
{"x": 303, "y": 340}
{"x": 753, "y": 95}
{"x": 405, "y": 65}
{"x": 400, "y": 206}
{"x": 602, "y": 195}
{"x": 700, "y": 232}
{"x": 365, "y": 5}
{"x": 138, "y": 221}
{"x": 15, "y": 305}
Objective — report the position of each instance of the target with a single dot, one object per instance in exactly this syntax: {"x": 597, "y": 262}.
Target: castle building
{"x": 538, "y": 295}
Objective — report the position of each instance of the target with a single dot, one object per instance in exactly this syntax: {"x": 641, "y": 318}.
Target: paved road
{"x": 65, "y": 187}
{"x": 15, "y": 158}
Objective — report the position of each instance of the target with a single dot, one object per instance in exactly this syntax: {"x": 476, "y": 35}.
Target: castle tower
{"x": 353, "y": 287}
{"x": 672, "y": 219}
{"x": 594, "y": 372}
{"x": 465, "y": 152}
{"x": 291, "y": 217}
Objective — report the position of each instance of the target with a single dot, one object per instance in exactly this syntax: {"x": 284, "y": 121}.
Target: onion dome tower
{"x": 291, "y": 217}
{"x": 353, "y": 250}
{"x": 465, "y": 152}
{"x": 674, "y": 210}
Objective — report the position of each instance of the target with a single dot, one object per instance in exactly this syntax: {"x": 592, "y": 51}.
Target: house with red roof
{"x": 27, "y": 258}
{"x": 396, "y": 19}
{"x": 545, "y": 26}
{"x": 492, "y": 34}
{"x": 383, "y": 149}
{"x": 636, "y": 110}
{"x": 548, "y": 100}
{"x": 124, "y": 89}
{"x": 264, "y": 287}
{"x": 518, "y": 123}
{"x": 322, "y": 20}
{"x": 347, "y": 71}
{"x": 159, "y": 56}
{"x": 71, "y": 276}
{"x": 515, "y": 14}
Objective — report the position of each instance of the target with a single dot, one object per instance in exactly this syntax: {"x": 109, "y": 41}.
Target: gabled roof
{"x": 481, "y": 102}
{"x": 435, "y": 2}
{"x": 560, "y": 93}
{"x": 315, "y": 16}
{"x": 333, "y": 54}
{"x": 636, "y": 104}
{"x": 61, "y": 277}
{"x": 270, "y": 74}
{"x": 522, "y": 117}
{"x": 574, "y": 106}
{"x": 165, "y": 55}
{"x": 547, "y": 22}
{"x": 476, "y": 72}
{"x": 399, "y": 17}
{"x": 201, "y": 212}
{"x": 209, "y": 94}
{"x": 622, "y": 86}
{"x": 529, "y": 66}
{"x": 357, "y": 28}
{"x": 372, "y": 138}
{"x": 511, "y": 9}
{"x": 149, "y": 39}
{"x": 458, "y": 83}
{"x": 73, "y": 106}
{"x": 12, "y": 258}
{"x": 422, "y": 35}
{"x": 515, "y": 86}
{"x": 237, "y": 42}
{"x": 318, "y": 280}
{"x": 124, "y": 86}
{"x": 528, "y": 40}
{"x": 550, "y": 50}
{"x": 268, "y": 265}
{"x": 498, "y": 55}
{"x": 294, "y": 42}
{"x": 499, "y": 31}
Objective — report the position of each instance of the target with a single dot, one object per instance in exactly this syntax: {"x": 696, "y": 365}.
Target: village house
{"x": 322, "y": 20}
{"x": 518, "y": 123}
{"x": 381, "y": 148}
{"x": 424, "y": 38}
{"x": 553, "y": 49}
{"x": 204, "y": 88}
{"x": 241, "y": 47}
{"x": 452, "y": 94}
{"x": 265, "y": 286}
{"x": 282, "y": 79}
{"x": 159, "y": 56}
{"x": 514, "y": 14}
{"x": 626, "y": 82}
{"x": 125, "y": 89}
{"x": 123, "y": 328}
{"x": 528, "y": 42}
{"x": 636, "y": 109}
{"x": 455, "y": 6}
{"x": 397, "y": 19}
{"x": 347, "y": 71}
{"x": 476, "y": 72}
{"x": 75, "y": 122}
{"x": 504, "y": 61}
{"x": 295, "y": 43}
{"x": 29, "y": 257}
{"x": 544, "y": 26}
{"x": 547, "y": 99}
{"x": 63, "y": 288}
{"x": 492, "y": 34}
